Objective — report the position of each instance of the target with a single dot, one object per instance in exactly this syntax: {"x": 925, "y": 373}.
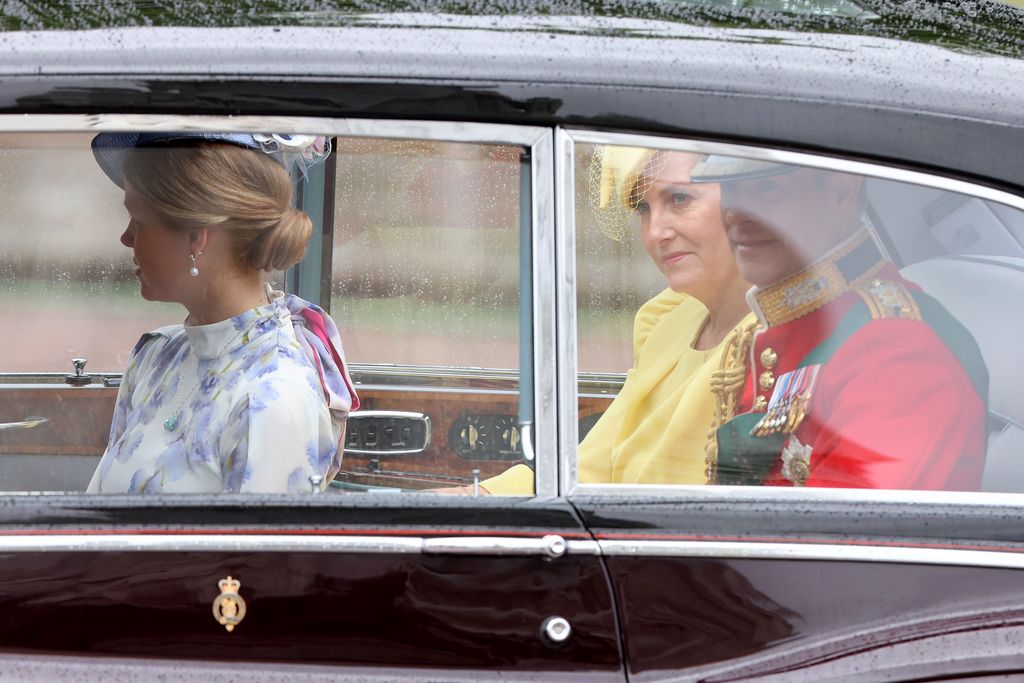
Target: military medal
{"x": 796, "y": 462}
{"x": 790, "y": 402}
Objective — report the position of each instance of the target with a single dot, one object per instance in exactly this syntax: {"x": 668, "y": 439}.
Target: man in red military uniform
{"x": 857, "y": 378}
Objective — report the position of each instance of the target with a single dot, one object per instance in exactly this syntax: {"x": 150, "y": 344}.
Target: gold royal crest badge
{"x": 229, "y": 607}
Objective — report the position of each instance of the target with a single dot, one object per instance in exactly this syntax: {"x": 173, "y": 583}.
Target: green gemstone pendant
{"x": 170, "y": 423}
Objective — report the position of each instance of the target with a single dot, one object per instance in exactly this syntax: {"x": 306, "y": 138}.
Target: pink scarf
{"x": 321, "y": 342}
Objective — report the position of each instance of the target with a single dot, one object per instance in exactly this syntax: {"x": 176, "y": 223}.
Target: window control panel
{"x": 387, "y": 432}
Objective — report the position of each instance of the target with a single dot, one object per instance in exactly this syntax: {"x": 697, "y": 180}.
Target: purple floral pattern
{"x": 256, "y": 419}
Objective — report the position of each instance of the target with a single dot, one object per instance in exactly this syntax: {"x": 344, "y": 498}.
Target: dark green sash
{"x": 745, "y": 460}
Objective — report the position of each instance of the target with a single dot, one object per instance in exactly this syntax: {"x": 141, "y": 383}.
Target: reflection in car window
{"x": 870, "y": 358}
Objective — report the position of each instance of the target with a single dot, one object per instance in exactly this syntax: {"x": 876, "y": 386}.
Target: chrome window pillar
{"x": 546, "y": 411}
{"x": 565, "y": 298}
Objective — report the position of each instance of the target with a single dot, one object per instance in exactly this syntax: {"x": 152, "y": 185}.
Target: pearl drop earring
{"x": 194, "y": 270}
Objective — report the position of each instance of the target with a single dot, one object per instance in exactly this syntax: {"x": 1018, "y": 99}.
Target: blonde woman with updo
{"x": 251, "y": 392}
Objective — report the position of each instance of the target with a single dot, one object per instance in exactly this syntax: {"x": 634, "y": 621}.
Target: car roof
{"x": 978, "y": 25}
{"x": 952, "y": 103}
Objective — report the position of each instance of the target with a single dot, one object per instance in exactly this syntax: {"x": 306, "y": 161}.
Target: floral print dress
{"x": 234, "y": 406}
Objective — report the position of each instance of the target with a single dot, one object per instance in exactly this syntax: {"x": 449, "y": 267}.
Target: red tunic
{"x": 892, "y": 409}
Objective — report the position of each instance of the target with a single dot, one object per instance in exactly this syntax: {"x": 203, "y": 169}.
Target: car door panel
{"x": 427, "y": 591}
{"x": 747, "y": 594}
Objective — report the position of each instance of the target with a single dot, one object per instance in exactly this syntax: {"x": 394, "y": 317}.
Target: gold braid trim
{"x": 727, "y": 385}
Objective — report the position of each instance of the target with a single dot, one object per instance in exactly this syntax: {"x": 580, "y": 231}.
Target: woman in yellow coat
{"x": 689, "y": 341}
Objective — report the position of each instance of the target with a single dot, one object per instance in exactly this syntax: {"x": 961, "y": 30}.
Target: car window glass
{"x": 418, "y": 242}
{"x": 426, "y": 277}
{"x": 426, "y": 237}
{"x": 877, "y": 353}
{"x": 71, "y": 289}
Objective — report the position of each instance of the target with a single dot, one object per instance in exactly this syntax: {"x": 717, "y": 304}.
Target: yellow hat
{"x": 614, "y": 188}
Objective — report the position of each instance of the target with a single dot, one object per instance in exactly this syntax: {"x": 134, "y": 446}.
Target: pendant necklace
{"x": 172, "y": 422}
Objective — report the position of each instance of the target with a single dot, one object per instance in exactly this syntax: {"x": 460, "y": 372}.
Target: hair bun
{"x": 284, "y": 244}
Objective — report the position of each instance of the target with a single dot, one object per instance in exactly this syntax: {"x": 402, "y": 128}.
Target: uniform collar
{"x": 820, "y": 283}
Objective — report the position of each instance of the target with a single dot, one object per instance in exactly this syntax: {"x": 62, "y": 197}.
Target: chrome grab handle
{"x": 30, "y": 422}
{"x": 551, "y": 546}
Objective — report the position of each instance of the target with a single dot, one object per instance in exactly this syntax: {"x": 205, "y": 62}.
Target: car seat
{"x": 986, "y": 294}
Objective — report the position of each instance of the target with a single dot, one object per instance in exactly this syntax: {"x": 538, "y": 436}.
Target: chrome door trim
{"x": 247, "y": 543}
{"x": 498, "y": 546}
{"x": 551, "y": 546}
{"x": 369, "y": 374}
{"x": 547, "y": 546}
{"x": 831, "y": 163}
{"x": 813, "y": 551}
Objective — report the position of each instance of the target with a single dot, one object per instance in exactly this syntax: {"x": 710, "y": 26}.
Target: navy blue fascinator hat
{"x": 292, "y": 151}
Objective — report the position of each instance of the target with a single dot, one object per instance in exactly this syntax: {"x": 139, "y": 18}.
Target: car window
{"x": 774, "y": 320}
{"x": 407, "y": 322}
{"x": 426, "y": 275}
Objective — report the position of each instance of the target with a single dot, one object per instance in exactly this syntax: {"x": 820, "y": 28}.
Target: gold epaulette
{"x": 887, "y": 299}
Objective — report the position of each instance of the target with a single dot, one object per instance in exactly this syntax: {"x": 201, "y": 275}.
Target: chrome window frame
{"x": 539, "y": 141}
{"x": 566, "y": 139}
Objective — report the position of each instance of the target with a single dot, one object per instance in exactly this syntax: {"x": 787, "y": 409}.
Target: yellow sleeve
{"x": 648, "y": 316}
{"x": 515, "y": 481}
{"x": 594, "y": 454}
